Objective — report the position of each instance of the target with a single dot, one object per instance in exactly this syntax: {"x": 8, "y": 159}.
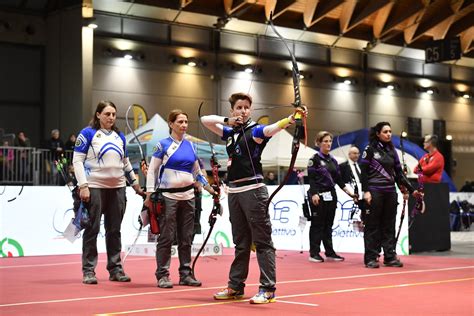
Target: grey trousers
{"x": 178, "y": 217}
{"x": 251, "y": 223}
{"x": 111, "y": 203}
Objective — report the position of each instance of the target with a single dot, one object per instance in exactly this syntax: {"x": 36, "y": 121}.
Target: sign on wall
{"x": 32, "y": 223}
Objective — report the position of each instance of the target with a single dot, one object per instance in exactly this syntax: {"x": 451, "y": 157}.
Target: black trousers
{"x": 197, "y": 212}
{"x": 177, "y": 220}
{"x": 111, "y": 203}
{"x": 322, "y": 219}
{"x": 251, "y": 224}
{"x": 379, "y": 231}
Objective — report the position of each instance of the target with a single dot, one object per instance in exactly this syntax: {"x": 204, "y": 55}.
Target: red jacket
{"x": 432, "y": 166}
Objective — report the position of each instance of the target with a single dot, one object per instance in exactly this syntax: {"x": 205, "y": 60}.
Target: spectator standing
{"x": 55, "y": 144}
{"x": 432, "y": 163}
{"x": 70, "y": 143}
{"x": 270, "y": 179}
{"x": 24, "y": 163}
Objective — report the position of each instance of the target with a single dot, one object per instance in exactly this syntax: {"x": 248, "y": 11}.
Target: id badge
{"x": 327, "y": 196}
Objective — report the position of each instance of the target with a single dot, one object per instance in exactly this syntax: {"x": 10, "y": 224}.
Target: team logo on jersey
{"x": 81, "y": 140}
{"x": 377, "y": 156}
{"x": 323, "y": 163}
{"x": 310, "y": 163}
{"x": 364, "y": 154}
{"x": 158, "y": 148}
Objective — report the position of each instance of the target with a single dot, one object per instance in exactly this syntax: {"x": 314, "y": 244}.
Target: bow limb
{"x": 405, "y": 171}
{"x": 216, "y": 208}
{"x": 296, "y": 72}
{"x": 402, "y": 147}
{"x": 299, "y": 129}
{"x": 142, "y": 163}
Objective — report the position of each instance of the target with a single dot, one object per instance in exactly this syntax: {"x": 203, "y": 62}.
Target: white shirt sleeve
{"x": 152, "y": 174}
{"x": 78, "y": 162}
{"x": 214, "y": 123}
{"x": 274, "y": 128}
{"x": 129, "y": 173}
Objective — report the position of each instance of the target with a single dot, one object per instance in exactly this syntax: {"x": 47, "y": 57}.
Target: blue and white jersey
{"x": 100, "y": 159}
{"x": 174, "y": 164}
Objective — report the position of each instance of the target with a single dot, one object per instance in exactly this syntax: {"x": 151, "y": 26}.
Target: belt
{"x": 244, "y": 183}
{"x": 176, "y": 190}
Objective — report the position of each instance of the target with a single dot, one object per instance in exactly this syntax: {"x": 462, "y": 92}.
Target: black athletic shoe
{"x": 89, "y": 278}
{"x": 334, "y": 257}
{"x": 189, "y": 281}
{"x": 393, "y": 263}
{"x": 317, "y": 258}
{"x": 119, "y": 277}
{"x": 372, "y": 264}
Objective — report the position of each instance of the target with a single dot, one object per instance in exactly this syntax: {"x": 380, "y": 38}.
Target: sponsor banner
{"x": 149, "y": 250}
{"x": 33, "y": 223}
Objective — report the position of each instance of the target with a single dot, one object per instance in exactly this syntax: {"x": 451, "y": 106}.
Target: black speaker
{"x": 430, "y": 231}
{"x": 439, "y": 128}
{"x": 414, "y": 126}
{"x": 445, "y": 148}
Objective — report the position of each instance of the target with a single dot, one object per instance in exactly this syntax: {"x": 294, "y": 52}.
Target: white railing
{"x": 29, "y": 166}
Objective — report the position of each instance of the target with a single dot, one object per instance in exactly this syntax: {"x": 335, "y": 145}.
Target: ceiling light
{"x": 89, "y": 22}
{"x": 345, "y": 80}
{"x": 388, "y": 85}
{"x": 248, "y": 69}
{"x": 427, "y": 90}
{"x": 463, "y": 94}
{"x": 404, "y": 134}
{"x": 127, "y": 55}
{"x": 302, "y": 74}
{"x": 190, "y": 61}
{"x": 245, "y": 68}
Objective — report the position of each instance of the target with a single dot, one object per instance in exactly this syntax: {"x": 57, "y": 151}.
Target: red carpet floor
{"x": 51, "y": 285}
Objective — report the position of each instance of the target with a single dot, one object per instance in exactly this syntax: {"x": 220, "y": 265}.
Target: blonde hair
{"x": 321, "y": 135}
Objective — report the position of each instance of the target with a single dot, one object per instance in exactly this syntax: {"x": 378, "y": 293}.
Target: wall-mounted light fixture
{"x": 345, "y": 80}
{"x": 404, "y": 134}
{"x": 388, "y": 85}
{"x": 449, "y": 137}
{"x": 427, "y": 90}
{"x": 303, "y": 74}
{"x": 189, "y": 61}
{"x": 462, "y": 94}
{"x": 250, "y": 69}
{"x": 125, "y": 54}
{"x": 89, "y": 22}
